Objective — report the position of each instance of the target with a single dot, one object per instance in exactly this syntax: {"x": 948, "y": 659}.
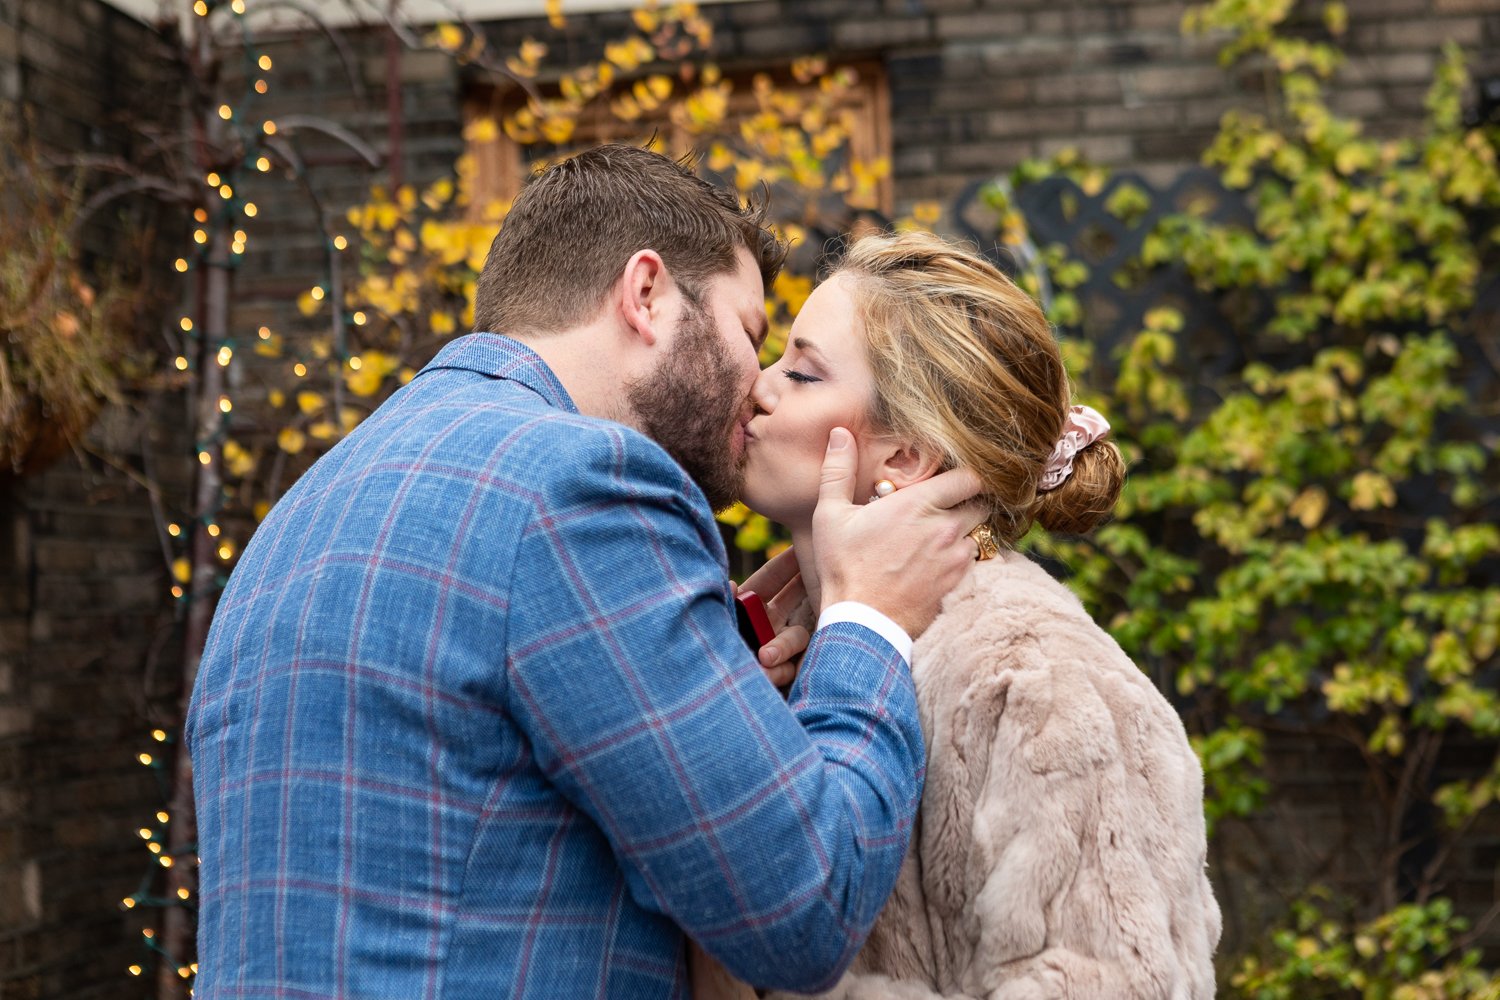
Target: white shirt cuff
{"x": 863, "y": 614}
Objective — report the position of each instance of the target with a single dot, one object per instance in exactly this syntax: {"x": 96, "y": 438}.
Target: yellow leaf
{"x": 310, "y": 402}
{"x": 270, "y": 347}
{"x": 647, "y": 20}
{"x": 349, "y": 419}
{"x": 261, "y": 510}
{"x": 449, "y": 37}
{"x": 276, "y": 397}
{"x": 555, "y": 14}
{"x": 1309, "y": 507}
{"x": 1370, "y": 490}
{"x": 307, "y": 305}
{"x": 182, "y": 570}
{"x": 365, "y": 382}
{"x": 482, "y": 130}
{"x": 291, "y": 440}
{"x": 558, "y": 130}
{"x": 442, "y": 323}
{"x": 323, "y": 430}
{"x": 407, "y": 374}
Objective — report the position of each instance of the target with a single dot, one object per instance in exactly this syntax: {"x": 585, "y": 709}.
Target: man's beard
{"x": 689, "y": 405}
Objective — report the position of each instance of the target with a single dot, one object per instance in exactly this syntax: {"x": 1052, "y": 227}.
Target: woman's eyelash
{"x": 797, "y": 376}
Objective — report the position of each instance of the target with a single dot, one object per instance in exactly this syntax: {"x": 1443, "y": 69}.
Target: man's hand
{"x": 779, "y": 582}
{"x": 900, "y": 555}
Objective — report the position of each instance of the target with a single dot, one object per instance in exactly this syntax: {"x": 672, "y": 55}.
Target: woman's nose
{"x": 763, "y": 393}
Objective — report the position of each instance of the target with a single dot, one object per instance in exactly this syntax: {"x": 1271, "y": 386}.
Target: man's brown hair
{"x": 573, "y": 228}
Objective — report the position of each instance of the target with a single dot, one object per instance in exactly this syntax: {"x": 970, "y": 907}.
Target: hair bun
{"x": 1087, "y": 497}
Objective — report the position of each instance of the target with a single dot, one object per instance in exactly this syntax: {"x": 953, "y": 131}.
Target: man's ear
{"x": 905, "y": 463}
{"x": 642, "y": 293}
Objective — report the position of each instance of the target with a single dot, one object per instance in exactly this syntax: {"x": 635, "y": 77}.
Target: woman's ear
{"x": 642, "y": 293}
{"x": 904, "y": 463}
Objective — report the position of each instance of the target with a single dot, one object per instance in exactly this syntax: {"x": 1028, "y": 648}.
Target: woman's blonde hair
{"x": 966, "y": 365}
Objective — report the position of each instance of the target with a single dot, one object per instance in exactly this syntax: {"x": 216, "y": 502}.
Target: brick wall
{"x": 88, "y": 648}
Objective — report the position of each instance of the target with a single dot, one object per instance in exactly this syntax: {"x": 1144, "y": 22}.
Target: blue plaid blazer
{"x": 474, "y": 720}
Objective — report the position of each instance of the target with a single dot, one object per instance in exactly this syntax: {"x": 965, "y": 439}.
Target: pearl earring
{"x": 883, "y": 488}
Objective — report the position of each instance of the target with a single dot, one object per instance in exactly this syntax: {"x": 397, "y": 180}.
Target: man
{"x": 474, "y": 718}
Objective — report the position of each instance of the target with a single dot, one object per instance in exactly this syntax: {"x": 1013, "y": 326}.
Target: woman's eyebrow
{"x": 808, "y": 347}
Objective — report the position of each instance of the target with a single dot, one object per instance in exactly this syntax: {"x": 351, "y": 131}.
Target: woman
{"x": 1059, "y": 851}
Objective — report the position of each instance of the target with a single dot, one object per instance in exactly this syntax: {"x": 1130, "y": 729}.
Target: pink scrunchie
{"x": 1084, "y": 426}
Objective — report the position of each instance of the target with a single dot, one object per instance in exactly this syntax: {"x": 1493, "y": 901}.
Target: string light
{"x": 250, "y": 209}
{"x": 165, "y": 860}
{"x": 184, "y": 894}
{"x": 265, "y": 63}
{"x": 264, "y": 333}
{"x": 184, "y": 971}
{"x": 225, "y": 353}
{"x": 360, "y": 319}
{"x": 181, "y": 363}
{"x": 159, "y": 735}
{"x": 299, "y": 369}
{"x": 148, "y": 933}
{"x": 212, "y": 180}
{"x": 200, "y": 237}
{"x": 269, "y": 128}
{"x": 128, "y": 902}
{"x": 340, "y": 243}
{"x": 186, "y": 324}
{"x": 226, "y": 112}
{"x": 204, "y": 458}
{"x": 144, "y": 758}
{"x": 317, "y": 293}
{"x": 226, "y": 550}
{"x": 239, "y": 236}
{"x": 213, "y": 530}
{"x": 200, "y": 8}
{"x": 154, "y": 847}
{"x": 176, "y": 591}
{"x": 238, "y": 6}
{"x": 261, "y": 86}
{"x": 135, "y": 970}
{"x": 200, "y": 215}
{"x": 225, "y": 405}
{"x": 174, "y": 529}
{"x": 263, "y": 164}
{"x": 226, "y": 192}
{"x": 145, "y": 833}
{"x": 355, "y": 363}
{"x": 162, "y": 817}
{"x": 181, "y": 264}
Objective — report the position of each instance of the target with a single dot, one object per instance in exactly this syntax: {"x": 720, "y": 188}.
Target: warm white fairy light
{"x": 199, "y": 236}
{"x": 269, "y": 128}
{"x": 355, "y": 363}
{"x": 360, "y": 319}
{"x": 181, "y": 264}
{"x": 162, "y": 817}
{"x": 250, "y": 209}
{"x": 225, "y": 353}
{"x": 261, "y": 86}
{"x": 263, "y": 164}
{"x": 200, "y": 215}
{"x": 264, "y": 333}
{"x": 340, "y": 243}
{"x": 299, "y": 369}
{"x": 186, "y": 324}
{"x": 317, "y": 293}
{"x": 204, "y": 458}
{"x": 165, "y": 860}
{"x": 174, "y": 529}
{"x": 144, "y": 758}
{"x": 226, "y": 112}
{"x": 226, "y": 192}
{"x": 213, "y": 180}
{"x": 225, "y": 405}
{"x": 213, "y": 530}
{"x": 181, "y": 363}
{"x": 159, "y": 735}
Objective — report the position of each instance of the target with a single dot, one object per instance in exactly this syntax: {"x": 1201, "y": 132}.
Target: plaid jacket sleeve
{"x": 772, "y": 834}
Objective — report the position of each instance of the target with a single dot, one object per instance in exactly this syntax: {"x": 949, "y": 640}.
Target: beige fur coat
{"x": 1059, "y": 851}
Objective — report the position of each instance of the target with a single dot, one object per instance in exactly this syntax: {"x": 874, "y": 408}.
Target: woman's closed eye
{"x": 797, "y": 376}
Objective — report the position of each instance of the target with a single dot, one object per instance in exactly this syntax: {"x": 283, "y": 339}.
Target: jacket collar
{"x": 498, "y": 356}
